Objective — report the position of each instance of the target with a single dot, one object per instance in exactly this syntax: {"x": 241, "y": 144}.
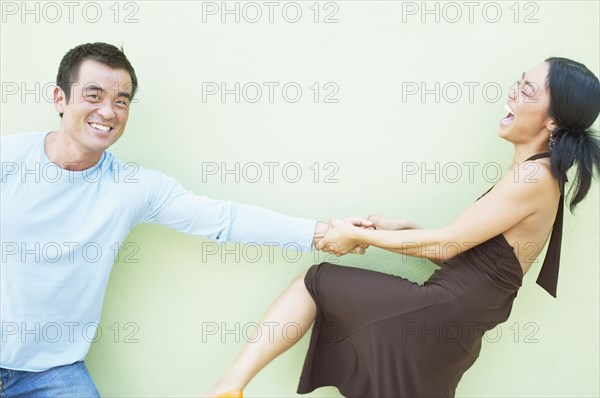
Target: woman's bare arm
{"x": 513, "y": 199}
{"x": 397, "y": 224}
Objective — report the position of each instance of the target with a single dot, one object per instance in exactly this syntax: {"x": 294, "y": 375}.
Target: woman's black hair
{"x": 574, "y": 107}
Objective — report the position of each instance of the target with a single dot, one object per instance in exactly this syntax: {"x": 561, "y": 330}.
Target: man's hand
{"x": 323, "y": 229}
{"x": 340, "y": 239}
{"x": 320, "y": 231}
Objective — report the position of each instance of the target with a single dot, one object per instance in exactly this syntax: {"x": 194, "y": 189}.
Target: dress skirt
{"x": 379, "y": 335}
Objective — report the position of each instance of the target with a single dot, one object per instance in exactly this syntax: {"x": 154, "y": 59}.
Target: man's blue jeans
{"x": 62, "y": 381}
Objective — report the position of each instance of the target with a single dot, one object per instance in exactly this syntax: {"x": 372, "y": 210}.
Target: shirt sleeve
{"x": 169, "y": 204}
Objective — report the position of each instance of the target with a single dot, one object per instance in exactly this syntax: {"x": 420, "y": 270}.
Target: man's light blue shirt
{"x": 60, "y": 231}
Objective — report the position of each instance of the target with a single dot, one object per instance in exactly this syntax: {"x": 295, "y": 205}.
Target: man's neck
{"x": 66, "y": 154}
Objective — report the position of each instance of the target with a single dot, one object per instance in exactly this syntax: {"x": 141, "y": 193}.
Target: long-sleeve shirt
{"x": 60, "y": 231}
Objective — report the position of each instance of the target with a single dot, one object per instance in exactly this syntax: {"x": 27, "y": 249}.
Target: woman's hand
{"x": 391, "y": 224}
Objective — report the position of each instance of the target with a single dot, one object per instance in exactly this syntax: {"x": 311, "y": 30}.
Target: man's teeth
{"x": 100, "y": 127}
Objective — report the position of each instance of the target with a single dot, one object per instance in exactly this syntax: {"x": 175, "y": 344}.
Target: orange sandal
{"x": 232, "y": 394}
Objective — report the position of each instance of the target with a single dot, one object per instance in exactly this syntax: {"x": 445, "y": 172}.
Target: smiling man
{"x": 94, "y": 108}
{"x": 67, "y": 203}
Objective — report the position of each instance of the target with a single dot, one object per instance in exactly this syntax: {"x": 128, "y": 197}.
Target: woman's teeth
{"x": 508, "y": 119}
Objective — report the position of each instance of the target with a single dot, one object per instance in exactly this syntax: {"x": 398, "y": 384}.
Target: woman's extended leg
{"x": 294, "y": 310}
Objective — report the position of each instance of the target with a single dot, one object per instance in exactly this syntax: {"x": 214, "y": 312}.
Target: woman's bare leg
{"x": 293, "y": 311}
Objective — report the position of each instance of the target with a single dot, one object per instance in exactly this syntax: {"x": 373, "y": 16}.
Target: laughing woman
{"x": 373, "y": 332}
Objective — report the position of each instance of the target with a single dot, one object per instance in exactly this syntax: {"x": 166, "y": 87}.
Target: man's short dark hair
{"x": 104, "y": 53}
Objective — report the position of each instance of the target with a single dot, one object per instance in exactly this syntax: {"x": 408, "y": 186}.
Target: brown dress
{"x": 379, "y": 335}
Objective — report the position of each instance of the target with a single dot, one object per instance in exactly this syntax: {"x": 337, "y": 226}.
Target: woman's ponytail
{"x": 575, "y": 146}
{"x": 574, "y": 107}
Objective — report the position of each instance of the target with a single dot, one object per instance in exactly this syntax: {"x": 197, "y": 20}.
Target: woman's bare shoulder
{"x": 533, "y": 179}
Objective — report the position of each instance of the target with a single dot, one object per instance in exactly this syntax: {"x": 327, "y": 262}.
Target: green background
{"x": 163, "y": 300}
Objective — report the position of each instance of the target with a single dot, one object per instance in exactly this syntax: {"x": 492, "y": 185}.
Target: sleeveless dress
{"x": 379, "y": 335}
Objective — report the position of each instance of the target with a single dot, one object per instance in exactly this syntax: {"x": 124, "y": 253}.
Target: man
{"x": 66, "y": 201}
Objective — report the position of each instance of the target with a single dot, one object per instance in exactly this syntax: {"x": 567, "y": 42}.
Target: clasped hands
{"x": 343, "y": 236}
{"x": 340, "y": 236}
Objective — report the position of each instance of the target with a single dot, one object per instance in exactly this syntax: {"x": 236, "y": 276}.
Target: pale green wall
{"x": 368, "y": 134}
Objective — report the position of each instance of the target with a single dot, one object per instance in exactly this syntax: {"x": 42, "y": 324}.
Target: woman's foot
{"x": 224, "y": 390}
{"x": 231, "y": 394}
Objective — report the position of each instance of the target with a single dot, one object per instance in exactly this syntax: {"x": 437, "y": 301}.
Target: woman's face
{"x": 528, "y": 102}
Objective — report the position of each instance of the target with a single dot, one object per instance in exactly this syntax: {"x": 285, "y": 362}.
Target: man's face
{"x": 96, "y": 114}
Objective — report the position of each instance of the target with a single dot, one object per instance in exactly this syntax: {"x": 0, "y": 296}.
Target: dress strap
{"x": 548, "y": 276}
{"x": 539, "y": 155}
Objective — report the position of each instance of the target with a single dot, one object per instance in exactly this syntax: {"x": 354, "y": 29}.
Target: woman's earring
{"x": 551, "y": 141}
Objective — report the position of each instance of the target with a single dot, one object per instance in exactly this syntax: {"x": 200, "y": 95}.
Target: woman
{"x": 378, "y": 335}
